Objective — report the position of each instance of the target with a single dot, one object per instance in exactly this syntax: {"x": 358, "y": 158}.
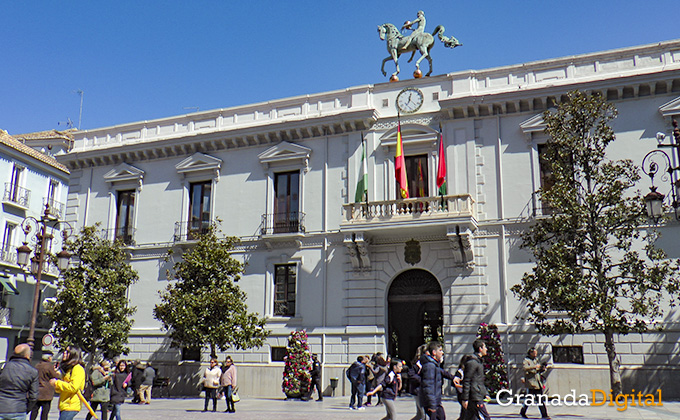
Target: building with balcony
{"x": 31, "y": 180}
{"x": 384, "y": 274}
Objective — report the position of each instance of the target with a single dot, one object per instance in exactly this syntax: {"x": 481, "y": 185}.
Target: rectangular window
{"x": 17, "y": 172}
{"x": 125, "y": 211}
{"x": 416, "y": 174}
{"x": 287, "y": 202}
{"x": 547, "y": 179}
{"x": 567, "y": 354}
{"x": 8, "y": 252}
{"x": 284, "y": 290}
{"x": 52, "y": 192}
{"x": 191, "y": 354}
{"x": 278, "y": 354}
{"x": 199, "y": 208}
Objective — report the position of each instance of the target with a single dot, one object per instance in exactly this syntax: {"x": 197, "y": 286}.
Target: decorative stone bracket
{"x": 357, "y": 248}
{"x": 461, "y": 246}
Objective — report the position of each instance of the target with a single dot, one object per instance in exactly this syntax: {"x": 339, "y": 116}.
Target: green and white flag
{"x": 361, "y": 194}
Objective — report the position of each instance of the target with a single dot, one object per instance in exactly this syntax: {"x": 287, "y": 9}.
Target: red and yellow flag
{"x": 400, "y": 165}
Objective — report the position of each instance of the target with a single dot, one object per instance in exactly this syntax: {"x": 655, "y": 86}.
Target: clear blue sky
{"x": 141, "y": 60}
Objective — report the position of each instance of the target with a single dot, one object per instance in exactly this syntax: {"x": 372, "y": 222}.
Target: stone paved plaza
{"x": 336, "y": 409}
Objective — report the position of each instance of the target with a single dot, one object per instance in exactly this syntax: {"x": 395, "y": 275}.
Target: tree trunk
{"x": 614, "y": 364}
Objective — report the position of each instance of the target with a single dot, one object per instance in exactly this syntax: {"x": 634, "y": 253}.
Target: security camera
{"x": 660, "y": 136}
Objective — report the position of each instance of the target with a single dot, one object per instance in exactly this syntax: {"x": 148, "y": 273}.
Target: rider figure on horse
{"x": 420, "y": 20}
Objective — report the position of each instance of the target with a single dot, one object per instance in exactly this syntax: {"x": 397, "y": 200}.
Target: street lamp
{"x": 42, "y": 236}
{"x": 658, "y": 162}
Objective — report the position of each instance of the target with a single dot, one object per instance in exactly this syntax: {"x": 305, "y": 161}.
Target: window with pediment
{"x": 286, "y": 165}
{"x": 126, "y": 183}
{"x": 201, "y": 173}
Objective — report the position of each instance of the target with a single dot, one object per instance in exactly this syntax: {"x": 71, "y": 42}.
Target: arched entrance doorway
{"x": 414, "y": 312}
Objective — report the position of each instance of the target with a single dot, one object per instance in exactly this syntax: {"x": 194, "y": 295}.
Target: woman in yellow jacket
{"x": 72, "y": 382}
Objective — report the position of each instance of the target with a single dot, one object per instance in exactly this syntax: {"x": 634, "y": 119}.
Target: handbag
{"x": 235, "y": 397}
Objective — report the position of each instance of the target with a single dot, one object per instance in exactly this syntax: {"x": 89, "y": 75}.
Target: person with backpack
{"x": 389, "y": 389}
{"x": 100, "y": 380}
{"x": 414, "y": 381}
{"x": 356, "y": 374}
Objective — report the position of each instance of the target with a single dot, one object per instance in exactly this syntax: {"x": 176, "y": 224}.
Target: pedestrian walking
{"x": 18, "y": 385}
{"x": 414, "y": 381}
{"x": 458, "y": 383}
{"x": 137, "y": 370}
{"x": 101, "y": 389}
{"x": 474, "y": 390}
{"x": 119, "y": 386}
{"x": 389, "y": 388}
{"x": 356, "y": 374}
{"x": 145, "y": 386}
{"x": 534, "y": 382}
{"x": 46, "y": 371}
{"x": 431, "y": 380}
{"x": 316, "y": 379}
{"x": 211, "y": 381}
{"x": 71, "y": 383}
{"x": 228, "y": 380}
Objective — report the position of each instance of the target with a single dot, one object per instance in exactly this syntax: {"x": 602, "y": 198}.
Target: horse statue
{"x": 397, "y": 44}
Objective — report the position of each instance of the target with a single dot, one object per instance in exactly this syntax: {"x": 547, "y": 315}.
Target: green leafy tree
{"x": 596, "y": 270}
{"x": 91, "y": 308}
{"x": 204, "y": 307}
{"x": 495, "y": 367}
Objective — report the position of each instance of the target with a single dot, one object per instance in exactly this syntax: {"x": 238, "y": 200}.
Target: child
{"x": 389, "y": 387}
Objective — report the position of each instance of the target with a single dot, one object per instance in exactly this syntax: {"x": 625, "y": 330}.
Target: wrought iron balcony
{"x": 16, "y": 195}
{"x": 9, "y": 255}
{"x": 190, "y": 231}
{"x": 125, "y": 234}
{"x": 5, "y": 316}
{"x": 55, "y": 208}
{"x": 277, "y": 223}
{"x": 422, "y": 209}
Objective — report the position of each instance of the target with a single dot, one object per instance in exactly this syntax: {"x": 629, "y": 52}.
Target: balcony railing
{"x": 5, "y": 316}
{"x": 272, "y": 224}
{"x": 55, "y": 208}
{"x": 125, "y": 234}
{"x": 421, "y": 208}
{"x": 16, "y": 195}
{"x": 9, "y": 255}
{"x": 190, "y": 231}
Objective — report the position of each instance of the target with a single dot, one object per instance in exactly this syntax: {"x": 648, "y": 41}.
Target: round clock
{"x": 409, "y": 100}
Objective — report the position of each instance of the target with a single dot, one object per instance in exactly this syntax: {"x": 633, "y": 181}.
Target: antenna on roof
{"x": 80, "y": 115}
{"x": 68, "y": 123}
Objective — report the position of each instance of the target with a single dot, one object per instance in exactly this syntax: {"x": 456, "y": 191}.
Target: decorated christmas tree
{"x": 297, "y": 371}
{"x": 494, "y": 363}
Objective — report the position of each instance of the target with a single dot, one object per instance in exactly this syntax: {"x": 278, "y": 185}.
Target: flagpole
{"x": 365, "y": 163}
{"x": 441, "y": 146}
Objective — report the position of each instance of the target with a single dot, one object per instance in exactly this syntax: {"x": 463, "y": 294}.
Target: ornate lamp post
{"x": 41, "y": 253}
{"x": 657, "y": 161}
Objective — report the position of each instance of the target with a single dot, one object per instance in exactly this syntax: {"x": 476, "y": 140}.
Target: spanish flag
{"x": 400, "y": 164}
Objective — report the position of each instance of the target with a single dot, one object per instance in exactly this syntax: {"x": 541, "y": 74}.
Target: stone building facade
{"x": 282, "y": 176}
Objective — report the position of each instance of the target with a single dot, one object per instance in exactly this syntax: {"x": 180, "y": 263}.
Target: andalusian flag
{"x": 441, "y": 165}
{"x": 361, "y": 194}
{"x": 400, "y": 164}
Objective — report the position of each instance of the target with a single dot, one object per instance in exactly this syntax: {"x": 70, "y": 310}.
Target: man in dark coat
{"x": 18, "y": 385}
{"x": 431, "y": 380}
{"x": 136, "y": 380}
{"x": 357, "y": 376}
{"x": 316, "y": 378}
{"x": 474, "y": 389}
{"x": 46, "y": 371}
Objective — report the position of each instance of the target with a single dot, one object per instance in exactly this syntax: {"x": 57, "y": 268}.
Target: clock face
{"x": 409, "y": 100}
